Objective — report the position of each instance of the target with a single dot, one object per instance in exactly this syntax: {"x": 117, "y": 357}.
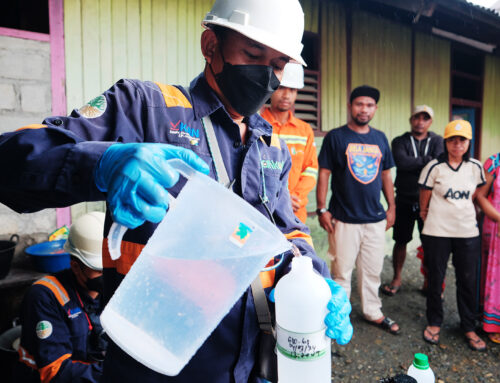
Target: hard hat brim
{"x": 258, "y": 35}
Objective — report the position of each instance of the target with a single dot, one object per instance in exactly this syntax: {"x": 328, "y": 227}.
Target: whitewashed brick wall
{"x": 25, "y": 98}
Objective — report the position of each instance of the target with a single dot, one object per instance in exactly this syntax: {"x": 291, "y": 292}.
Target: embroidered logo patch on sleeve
{"x": 43, "y": 329}
{"x": 94, "y": 108}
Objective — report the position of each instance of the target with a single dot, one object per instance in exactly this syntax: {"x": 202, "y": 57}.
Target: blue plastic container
{"x": 49, "y": 257}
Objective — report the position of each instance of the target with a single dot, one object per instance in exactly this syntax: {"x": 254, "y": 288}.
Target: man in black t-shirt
{"x": 411, "y": 151}
{"x": 359, "y": 159}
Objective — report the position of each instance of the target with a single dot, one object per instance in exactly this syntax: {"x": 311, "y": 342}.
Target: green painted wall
{"x": 106, "y": 40}
{"x": 311, "y": 10}
{"x": 381, "y": 57}
{"x": 490, "y": 135}
{"x": 432, "y": 77}
{"x": 333, "y": 66}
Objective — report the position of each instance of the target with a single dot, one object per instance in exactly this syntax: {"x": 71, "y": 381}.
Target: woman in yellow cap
{"x": 448, "y": 188}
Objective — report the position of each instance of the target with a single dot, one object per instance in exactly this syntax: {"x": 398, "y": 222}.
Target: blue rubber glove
{"x": 337, "y": 321}
{"x": 338, "y": 324}
{"x": 135, "y": 176}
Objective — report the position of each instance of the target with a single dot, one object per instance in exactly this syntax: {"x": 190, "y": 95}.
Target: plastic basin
{"x": 49, "y": 257}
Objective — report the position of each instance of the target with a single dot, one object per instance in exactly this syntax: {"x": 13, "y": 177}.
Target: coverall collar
{"x": 205, "y": 102}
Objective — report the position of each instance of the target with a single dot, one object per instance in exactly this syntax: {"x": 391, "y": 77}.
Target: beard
{"x": 360, "y": 122}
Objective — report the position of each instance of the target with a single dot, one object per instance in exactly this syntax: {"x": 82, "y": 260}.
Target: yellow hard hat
{"x": 460, "y": 128}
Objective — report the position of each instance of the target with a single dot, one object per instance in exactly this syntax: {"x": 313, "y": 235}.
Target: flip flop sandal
{"x": 390, "y": 290}
{"x": 494, "y": 337}
{"x": 472, "y": 343}
{"x": 432, "y": 339}
{"x": 386, "y": 325}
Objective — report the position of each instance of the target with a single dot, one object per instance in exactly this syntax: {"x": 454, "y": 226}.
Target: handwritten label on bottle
{"x": 302, "y": 346}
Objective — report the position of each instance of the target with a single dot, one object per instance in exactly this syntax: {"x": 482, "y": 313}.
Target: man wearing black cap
{"x": 359, "y": 159}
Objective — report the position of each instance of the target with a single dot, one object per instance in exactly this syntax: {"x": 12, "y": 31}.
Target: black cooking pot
{"x": 8, "y": 355}
{"x": 7, "y": 249}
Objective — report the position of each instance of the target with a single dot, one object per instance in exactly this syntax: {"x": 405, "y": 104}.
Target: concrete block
{"x": 22, "y": 61}
{"x": 11, "y": 122}
{"x": 36, "y": 98}
{"x": 14, "y": 223}
{"x": 8, "y": 98}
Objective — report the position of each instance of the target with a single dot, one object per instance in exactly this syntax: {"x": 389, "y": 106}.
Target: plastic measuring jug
{"x": 196, "y": 265}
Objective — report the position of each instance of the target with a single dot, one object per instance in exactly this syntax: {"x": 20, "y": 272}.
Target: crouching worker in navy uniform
{"x": 62, "y": 338}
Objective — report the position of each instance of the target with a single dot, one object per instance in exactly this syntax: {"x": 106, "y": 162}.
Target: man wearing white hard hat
{"x": 115, "y": 148}
{"x": 62, "y": 338}
{"x": 298, "y": 136}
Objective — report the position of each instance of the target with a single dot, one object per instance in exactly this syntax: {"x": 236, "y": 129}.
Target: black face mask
{"x": 95, "y": 284}
{"x": 247, "y": 87}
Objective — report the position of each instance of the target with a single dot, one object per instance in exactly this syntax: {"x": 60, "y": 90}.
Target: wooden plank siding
{"x": 147, "y": 39}
{"x": 490, "y": 132}
{"x": 311, "y": 14}
{"x": 381, "y": 57}
{"x": 432, "y": 77}
{"x": 333, "y": 66}
{"x": 106, "y": 40}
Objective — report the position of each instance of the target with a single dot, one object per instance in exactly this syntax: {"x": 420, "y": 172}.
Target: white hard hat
{"x": 85, "y": 239}
{"x": 278, "y": 24}
{"x": 293, "y": 76}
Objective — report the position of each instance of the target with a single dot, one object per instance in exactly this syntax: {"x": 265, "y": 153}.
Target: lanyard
{"x": 415, "y": 147}
{"x": 83, "y": 309}
{"x": 220, "y": 169}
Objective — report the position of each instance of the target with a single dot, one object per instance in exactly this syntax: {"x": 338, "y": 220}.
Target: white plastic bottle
{"x": 420, "y": 369}
{"x": 304, "y": 351}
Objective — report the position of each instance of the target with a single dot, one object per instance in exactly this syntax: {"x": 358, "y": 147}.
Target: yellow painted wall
{"x": 490, "y": 134}
{"x": 381, "y": 57}
{"x": 432, "y": 77}
{"x": 333, "y": 66}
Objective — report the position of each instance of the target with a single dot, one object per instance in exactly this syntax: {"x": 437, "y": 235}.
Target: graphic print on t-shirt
{"x": 364, "y": 161}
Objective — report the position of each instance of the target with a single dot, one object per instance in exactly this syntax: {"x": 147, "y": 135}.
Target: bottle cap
{"x": 421, "y": 361}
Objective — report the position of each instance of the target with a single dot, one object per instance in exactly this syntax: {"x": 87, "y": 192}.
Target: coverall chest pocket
{"x": 79, "y": 332}
{"x": 270, "y": 187}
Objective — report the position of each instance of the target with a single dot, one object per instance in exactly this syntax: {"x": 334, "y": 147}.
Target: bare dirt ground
{"x": 374, "y": 353}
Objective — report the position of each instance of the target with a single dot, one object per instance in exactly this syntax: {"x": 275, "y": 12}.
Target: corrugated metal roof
{"x": 494, "y": 9}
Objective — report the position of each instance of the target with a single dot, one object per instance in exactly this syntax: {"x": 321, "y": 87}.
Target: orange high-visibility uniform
{"x": 299, "y": 137}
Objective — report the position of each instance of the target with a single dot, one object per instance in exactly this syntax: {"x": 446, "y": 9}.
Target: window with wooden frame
{"x": 308, "y": 104}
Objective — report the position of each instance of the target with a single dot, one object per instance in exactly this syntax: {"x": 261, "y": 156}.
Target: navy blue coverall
{"x": 53, "y": 165}
{"x": 56, "y": 325}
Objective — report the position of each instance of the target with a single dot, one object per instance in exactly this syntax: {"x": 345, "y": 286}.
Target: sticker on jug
{"x": 241, "y": 234}
{"x": 302, "y": 346}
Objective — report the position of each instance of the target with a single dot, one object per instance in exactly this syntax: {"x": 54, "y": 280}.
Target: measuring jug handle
{"x": 117, "y": 231}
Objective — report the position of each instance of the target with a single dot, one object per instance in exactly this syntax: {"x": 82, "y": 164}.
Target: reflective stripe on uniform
{"x": 55, "y": 286}
{"x": 32, "y": 126}
{"x": 311, "y": 172}
{"x": 48, "y": 372}
{"x": 26, "y": 358}
{"x": 173, "y": 96}
{"x": 292, "y": 139}
{"x": 297, "y": 234}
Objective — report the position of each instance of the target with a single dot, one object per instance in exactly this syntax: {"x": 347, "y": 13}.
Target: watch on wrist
{"x": 321, "y": 211}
